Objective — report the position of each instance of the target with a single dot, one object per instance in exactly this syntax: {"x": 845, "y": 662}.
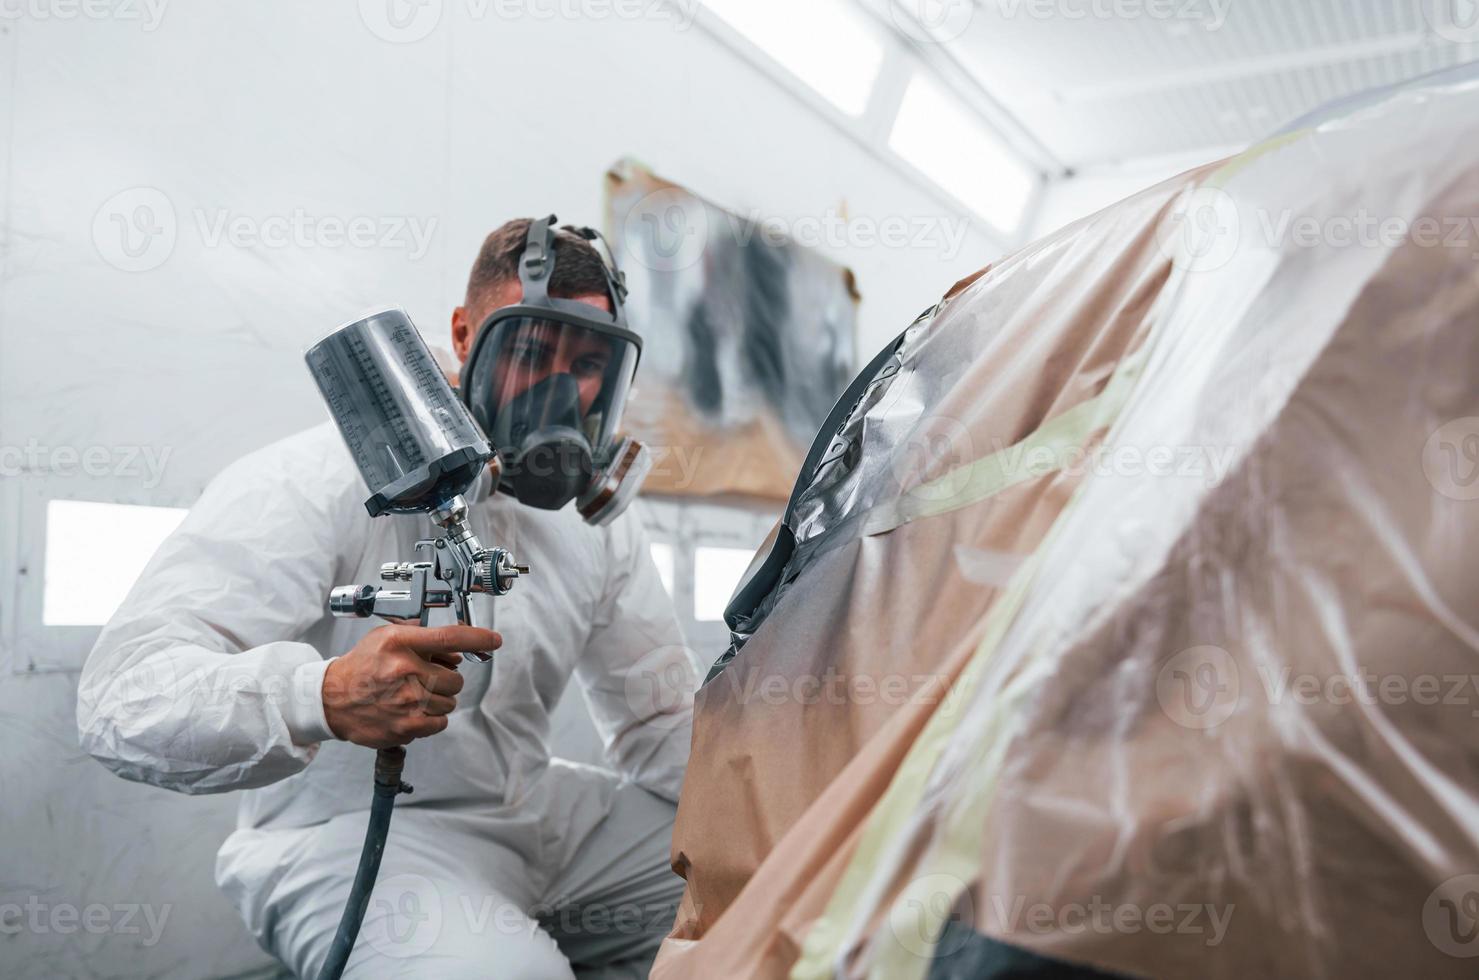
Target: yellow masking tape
{"x": 1046, "y": 450}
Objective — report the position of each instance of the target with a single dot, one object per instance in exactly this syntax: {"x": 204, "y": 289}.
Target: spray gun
{"x": 458, "y": 561}
{"x": 419, "y": 451}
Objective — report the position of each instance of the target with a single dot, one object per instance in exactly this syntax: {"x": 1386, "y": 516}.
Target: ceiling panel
{"x": 1103, "y": 81}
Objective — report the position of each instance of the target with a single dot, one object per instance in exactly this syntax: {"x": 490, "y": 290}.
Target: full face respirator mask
{"x": 547, "y": 380}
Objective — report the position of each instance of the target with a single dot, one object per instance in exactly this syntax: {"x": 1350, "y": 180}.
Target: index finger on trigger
{"x": 452, "y": 639}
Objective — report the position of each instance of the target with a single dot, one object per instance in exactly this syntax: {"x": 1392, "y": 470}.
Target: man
{"x": 222, "y": 670}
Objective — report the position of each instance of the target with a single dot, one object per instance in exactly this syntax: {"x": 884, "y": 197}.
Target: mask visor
{"x": 549, "y": 391}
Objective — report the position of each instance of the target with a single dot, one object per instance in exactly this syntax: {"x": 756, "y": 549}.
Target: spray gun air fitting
{"x": 459, "y": 566}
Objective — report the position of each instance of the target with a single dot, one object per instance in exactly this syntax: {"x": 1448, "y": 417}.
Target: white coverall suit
{"x": 504, "y": 862}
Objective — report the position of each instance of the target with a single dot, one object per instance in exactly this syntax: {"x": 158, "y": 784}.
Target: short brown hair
{"x": 579, "y": 270}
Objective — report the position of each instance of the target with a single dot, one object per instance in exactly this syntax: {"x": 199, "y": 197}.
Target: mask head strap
{"x": 537, "y": 267}
{"x": 616, "y": 280}
{"x": 537, "y": 263}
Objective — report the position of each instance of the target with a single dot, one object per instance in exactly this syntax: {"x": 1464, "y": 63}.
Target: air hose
{"x": 389, "y": 764}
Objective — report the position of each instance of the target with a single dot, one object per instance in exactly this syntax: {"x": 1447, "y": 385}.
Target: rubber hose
{"x": 389, "y": 764}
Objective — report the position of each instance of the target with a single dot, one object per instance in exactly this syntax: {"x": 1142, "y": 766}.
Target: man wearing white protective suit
{"x": 223, "y": 670}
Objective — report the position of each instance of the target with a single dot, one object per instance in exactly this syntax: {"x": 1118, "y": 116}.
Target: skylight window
{"x": 952, "y": 147}
{"x": 825, "y": 43}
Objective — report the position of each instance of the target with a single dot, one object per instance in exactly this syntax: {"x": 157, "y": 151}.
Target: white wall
{"x": 1065, "y": 201}
{"x": 127, "y": 327}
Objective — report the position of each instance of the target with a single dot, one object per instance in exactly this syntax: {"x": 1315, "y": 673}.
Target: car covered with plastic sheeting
{"x": 1123, "y": 619}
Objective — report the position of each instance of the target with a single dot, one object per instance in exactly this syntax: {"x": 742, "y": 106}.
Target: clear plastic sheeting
{"x": 855, "y": 471}
{"x": 1139, "y": 631}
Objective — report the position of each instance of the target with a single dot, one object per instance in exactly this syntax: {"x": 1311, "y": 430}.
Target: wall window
{"x": 663, "y": 558}
{"x": 716, "y": 574}
{"x": 94, "y": 554}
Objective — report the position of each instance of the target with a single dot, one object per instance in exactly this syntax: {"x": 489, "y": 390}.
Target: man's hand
{"x": 399, "y": 683}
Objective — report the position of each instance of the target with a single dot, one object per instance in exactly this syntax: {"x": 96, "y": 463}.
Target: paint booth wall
{"x": 1066, "y": 200}
{"x": 190, "y": 196}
